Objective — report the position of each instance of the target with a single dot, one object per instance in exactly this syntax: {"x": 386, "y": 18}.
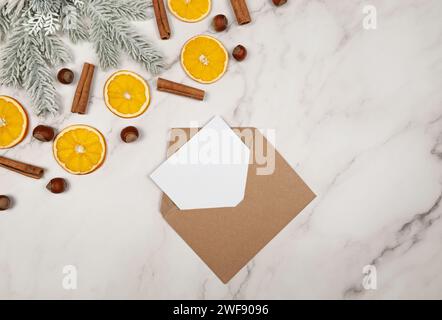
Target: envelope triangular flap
{"x": 226, "y": 239}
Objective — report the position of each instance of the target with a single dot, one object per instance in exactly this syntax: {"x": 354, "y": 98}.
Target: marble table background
{"x": 357, "y": 113}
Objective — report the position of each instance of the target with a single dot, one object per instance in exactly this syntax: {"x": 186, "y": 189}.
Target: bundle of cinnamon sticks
{"x": 81, "y": 98}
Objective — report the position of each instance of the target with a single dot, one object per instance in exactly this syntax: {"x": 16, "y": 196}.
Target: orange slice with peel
{"x": 204, "y": 59}
{"x": 190, "y": 10}
{"x": 80, "y": 149}
{"x": 13, "y": 122}
{"x": 127, "y": 94}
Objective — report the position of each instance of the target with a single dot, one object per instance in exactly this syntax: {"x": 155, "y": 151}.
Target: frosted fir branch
{"x": 39, "y": 83}
{"x": 44, "y": 6}
{"x": 108, "y": 54}
{"x": 5, "y": 22}
{"x": 24, "y": 65}
{"x": 48, "y": 23}
{"x": 140, "y": 49}
{"x": 12, "y": 57}
{"x": 108, "y": 32}
{"x": 34, "y": 24}
{"x": 13, "y": 8}
{"x": 54, "y": 50}
{"x": 78, "y": 34}
{"x": 70, "y": 17}
{"x": 72, "y": 23}
{"x": 78, "y": 3}
{"x": 51, "y": 23}
{"x": 135, "y": 10}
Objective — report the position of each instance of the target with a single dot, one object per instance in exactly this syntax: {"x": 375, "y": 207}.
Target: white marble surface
{"x": 357, "y": 113}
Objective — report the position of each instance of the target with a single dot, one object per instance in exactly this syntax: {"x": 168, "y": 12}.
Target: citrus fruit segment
{"x": 204, "y": 59}
{"x": 127, "y": 94}
{"x": 13, "y": 122}
{"x": 190, "y": 10}
{"x": 80, "y": 149}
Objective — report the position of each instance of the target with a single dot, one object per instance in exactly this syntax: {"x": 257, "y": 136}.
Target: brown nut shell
{"x": 279, "y": 2}
{"x": 239, "y": 53}
{"x": 57, "y": 185}
{"x": 129, "y": 134}
{"x": 5, "y": 203}
{"x": 43, "y": 133}
{"x": 220, "y": 22}
{"x": 65, "y": 76}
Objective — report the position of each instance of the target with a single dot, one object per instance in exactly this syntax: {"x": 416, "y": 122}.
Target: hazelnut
{"x": 57, "y": 185}
{"x": 129, "y": 134}
{"x": 65, "y": 76}
{"x": 240, "y": 53}
{"x": 5, "y": 203}
{"x": 43, "y": 133}
{"x": 279, "y": 2}
{"x": 220, "y": 22}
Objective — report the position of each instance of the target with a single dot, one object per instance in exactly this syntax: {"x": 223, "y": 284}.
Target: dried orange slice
{"x": 127, "y": 94}
{"x": 204, "y": 59}
{"x": 13, "y": 122}
{"x": 190, "y": 10}
{"x": 80, "y": 149}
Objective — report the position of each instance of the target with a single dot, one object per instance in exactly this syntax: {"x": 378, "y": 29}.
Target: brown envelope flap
{"x": 226, "y": 239}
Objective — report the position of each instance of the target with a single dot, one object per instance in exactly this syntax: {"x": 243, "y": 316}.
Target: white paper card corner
{"x": 209, "y": 171}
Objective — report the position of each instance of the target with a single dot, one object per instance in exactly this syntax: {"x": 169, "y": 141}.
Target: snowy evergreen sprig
{"x": 112, "y": 34}
{"x": 39, "y": 82}
{"x": 72, "y": 18}
{"x": 13, "y": 7}
{"x": 32, "y": 30}
{"x": 48, "y": 23}
{"x": 4, "y": 23}
{"x": 26, "y": 62}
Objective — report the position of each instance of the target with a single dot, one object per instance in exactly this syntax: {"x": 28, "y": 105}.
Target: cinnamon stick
{"x": 84, "y": 99}
{"x": 22, "y": 168}
{"x": 79, "y": 89}
{"x": 180, "y": 89}
{"x": 161, "y": 17}
{"x": 241, "y": 11}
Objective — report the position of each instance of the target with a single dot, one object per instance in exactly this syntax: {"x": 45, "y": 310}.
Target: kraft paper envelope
{"x": 226, "y": 239}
